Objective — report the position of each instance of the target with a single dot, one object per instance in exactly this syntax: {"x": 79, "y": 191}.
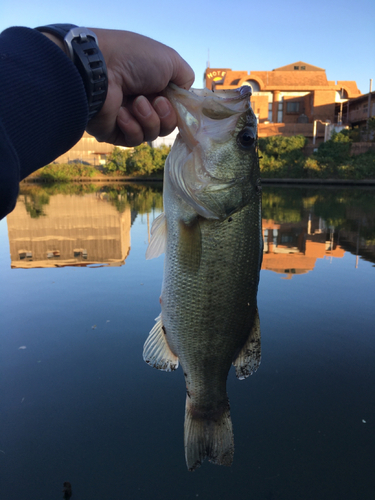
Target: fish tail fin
{"x": 208, "y": 434}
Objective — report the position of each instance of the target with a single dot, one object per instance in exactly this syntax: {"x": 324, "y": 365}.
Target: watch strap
{"x": 83, "y": 49}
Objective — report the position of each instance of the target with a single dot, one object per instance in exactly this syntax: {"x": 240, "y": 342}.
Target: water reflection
{"x": 80, "y": 225}
{"x": 293, "y": 247}
{"x": 308, "y": 436}
{"x": 303, "y": 225}
{"x": 76, "y": 225}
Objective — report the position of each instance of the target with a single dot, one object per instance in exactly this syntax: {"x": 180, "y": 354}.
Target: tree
{"x": 117, "y": 161}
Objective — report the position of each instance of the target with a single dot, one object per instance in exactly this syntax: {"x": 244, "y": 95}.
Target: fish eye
{"x": 246, "y": 138}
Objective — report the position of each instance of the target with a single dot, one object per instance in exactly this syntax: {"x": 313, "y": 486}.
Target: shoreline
{"x": 111, "y": 180}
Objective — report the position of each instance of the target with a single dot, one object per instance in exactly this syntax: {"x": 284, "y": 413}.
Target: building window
{"x": 25, "y": 254}
{"x": 270, "y": 111}
{"x": 292, "y": 108}
{"x": 296, "y": 67}
{"x": 303, "y": 67}
{"x": 54, "y": 254}
{"x": 280, "y": 112}
{"x": 80, "y": 253}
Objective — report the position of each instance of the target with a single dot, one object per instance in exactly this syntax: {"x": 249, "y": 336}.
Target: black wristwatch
{"x": 83, "y": 49}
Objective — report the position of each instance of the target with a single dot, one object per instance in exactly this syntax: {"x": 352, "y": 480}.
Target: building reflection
{"x": 294, "y": 247}
{"x": 59, "y": 230}
{"x": 71, "y": 231}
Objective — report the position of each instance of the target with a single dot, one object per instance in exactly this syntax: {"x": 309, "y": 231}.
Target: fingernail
{"x": 143, "y": 106}
{"x": 161, "y": 107}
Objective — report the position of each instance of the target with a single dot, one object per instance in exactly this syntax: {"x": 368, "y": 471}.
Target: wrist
{"x": 56, "y": 40}
{"x": 81, "y": 46}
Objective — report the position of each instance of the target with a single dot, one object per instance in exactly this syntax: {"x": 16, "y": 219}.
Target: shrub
{"x": 65, "y": 172}
{"x": 116, "y": 162}
{"x": 282, "y": 156}
{"x": 141, "y": 160}
{"x": 333, "y": 153}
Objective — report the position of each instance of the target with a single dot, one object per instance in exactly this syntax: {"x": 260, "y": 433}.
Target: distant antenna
{"x": 208, "y": 58}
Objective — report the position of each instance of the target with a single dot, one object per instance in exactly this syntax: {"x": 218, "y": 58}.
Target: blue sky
{"x": 241, "y": 35}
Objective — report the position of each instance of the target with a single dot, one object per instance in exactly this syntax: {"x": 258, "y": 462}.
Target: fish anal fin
{"x": 208, "y": 435}
{"x": 158, "y": 241}
{"x": 190, "y": 242}
{"x": 156, "y": 351}
{"x": 248, "y": 359}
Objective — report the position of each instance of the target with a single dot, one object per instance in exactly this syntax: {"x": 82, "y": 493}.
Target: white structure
{"x": 168, "y": 140}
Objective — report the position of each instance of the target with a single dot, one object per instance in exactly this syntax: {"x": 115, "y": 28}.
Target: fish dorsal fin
{"x": 248, "y": 360}
{"x": 158, "y": 241}
{"x": 156, "y": 351}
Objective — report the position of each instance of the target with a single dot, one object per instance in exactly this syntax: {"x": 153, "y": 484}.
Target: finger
{"x": 167, "y": 115}
{"x": 183, "y": 75}
{"x": 131, "y": 133}
{"x": 147, "y": 118}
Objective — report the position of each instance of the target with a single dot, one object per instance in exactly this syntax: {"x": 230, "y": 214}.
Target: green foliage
{"x": 281, "y": 206}
{"x": 140, "y": 198}
{"x": 159, "y": 156}
{"x": 354, "y": 134}
{"x": 334, "y": 153}
{"x": 282, "y": 156}
{"x": 65, "y": 172}
{"x": 141, "y": 160}
{"x": 335, "y": 161}
{"x": 279, "y": 146}
{"x": 371, "y": 123}
{"x": 34, "y": 202}
{"x": 116, "y": 162}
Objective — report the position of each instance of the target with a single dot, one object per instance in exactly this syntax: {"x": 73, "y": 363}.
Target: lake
{"x": 79, "y": 404}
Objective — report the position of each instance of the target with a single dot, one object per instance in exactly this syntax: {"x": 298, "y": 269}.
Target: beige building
{"x": 88, "y": 150}
{"x": 74, "y": 231}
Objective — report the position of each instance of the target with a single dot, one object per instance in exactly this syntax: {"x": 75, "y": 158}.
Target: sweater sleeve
{"x": 43, "y": 107}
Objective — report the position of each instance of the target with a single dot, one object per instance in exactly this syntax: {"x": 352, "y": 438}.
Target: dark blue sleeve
{"x": 43, "y": 107}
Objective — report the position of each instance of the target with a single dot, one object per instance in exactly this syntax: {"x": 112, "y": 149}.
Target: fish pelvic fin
{"x": 248, "y": 359}
{"x": 158, "y": 240}
{"x": 208, "y": 434}
{"x": 156, "y": 351}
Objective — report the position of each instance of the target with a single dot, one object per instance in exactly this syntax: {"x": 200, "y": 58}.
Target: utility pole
{"x": 369, "y": 111}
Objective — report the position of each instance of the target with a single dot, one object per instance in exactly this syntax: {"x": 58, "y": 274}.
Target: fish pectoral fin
{"x": 156, "y": 351}
{"x": 248, "y": 360}
{"x": 158, "y": 241}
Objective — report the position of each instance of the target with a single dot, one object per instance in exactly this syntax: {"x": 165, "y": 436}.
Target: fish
{"x": 211, "y": 234}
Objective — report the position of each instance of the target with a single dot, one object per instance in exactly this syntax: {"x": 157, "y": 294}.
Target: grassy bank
{"x": 280, "y": 158}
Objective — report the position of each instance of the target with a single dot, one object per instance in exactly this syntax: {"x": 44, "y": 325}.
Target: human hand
{"x": 139, "y": 68}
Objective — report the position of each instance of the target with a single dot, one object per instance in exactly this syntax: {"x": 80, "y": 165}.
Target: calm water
{"x": 79, "y": 404}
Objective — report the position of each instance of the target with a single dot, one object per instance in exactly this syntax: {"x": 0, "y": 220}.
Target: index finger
{"x": 183, "y": 75}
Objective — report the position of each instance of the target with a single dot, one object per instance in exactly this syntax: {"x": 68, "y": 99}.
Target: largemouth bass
{"x": 211, "y": 234}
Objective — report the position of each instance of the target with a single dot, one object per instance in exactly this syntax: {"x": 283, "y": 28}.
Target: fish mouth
{"x": 203, "y": 114}
{"x": 208, "y": 122}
